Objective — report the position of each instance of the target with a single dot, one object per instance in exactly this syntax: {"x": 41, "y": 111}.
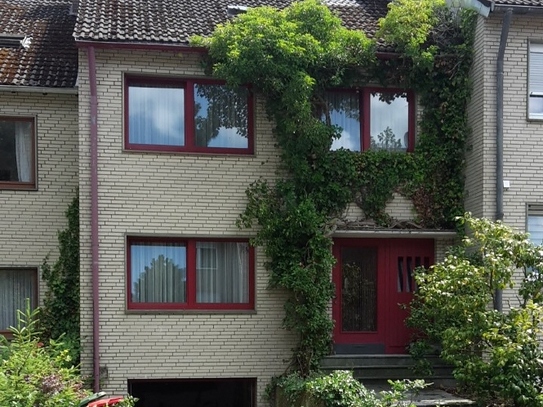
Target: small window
{"x": 535, "y": 82}
{"x": 17, "y": 153}
{"x": 371, "y": 119}
{"x": 16, "y": 286}
{"x": 187, "y": 115}
{"x": 189, "y": 274}
{"x": 534, "y": 224}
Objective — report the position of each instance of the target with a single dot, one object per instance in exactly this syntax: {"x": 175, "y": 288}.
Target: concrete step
{"x": 384, "y": 367}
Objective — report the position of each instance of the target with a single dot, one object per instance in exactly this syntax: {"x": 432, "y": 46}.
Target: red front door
{"x": 374, "y": 284}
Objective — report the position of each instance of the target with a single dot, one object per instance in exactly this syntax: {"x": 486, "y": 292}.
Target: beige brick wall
{"x": 31, "y": 219}
{"x": 523, "y": 166}
{"x": 175, "y": 195}
{"x": 172, "y": 195}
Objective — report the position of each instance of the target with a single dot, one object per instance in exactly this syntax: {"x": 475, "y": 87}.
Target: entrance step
{"x": 374, "y": 371}
{"x": 428, "y": 397}
{"x": 387, "y": 367}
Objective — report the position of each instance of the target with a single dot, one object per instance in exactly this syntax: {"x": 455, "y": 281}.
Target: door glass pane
{"x": 359, "y": 289}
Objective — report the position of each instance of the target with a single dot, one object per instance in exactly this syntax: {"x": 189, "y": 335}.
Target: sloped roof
{"x": 51, "y": 59}
{"x": 175, "y": 21}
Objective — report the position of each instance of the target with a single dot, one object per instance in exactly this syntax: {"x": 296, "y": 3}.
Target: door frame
{"x": 387, "y": 250}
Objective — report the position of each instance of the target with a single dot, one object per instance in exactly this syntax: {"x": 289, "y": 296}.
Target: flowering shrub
{"x": 34, "y": 374}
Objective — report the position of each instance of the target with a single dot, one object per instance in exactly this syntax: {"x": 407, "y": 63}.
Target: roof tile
{"x": 174, "y": 21}
{"x": 51, "y": 59}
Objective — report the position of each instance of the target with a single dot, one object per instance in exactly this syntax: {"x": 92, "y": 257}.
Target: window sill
{"x": 177, "y": 151}
{"x": 16, "y": 186}
{"x": 192, "y": 311}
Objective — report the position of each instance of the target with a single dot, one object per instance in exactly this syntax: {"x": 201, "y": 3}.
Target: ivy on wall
{"x": 291, "y": 57}
{"x": 59, "y": 316}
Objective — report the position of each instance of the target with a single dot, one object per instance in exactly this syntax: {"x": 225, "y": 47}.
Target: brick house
{"x": 159, "y": 196}
{"x": 503, "y": 173}
{"x": 38, "y": 142}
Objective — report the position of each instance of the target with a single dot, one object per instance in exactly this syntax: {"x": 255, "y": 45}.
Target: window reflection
{"x": 389, "y": 120}
{"x": 156, "y": 115}
{"x": 220, "y": 116}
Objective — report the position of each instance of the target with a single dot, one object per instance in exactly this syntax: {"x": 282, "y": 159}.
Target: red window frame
{"x": 34, "y": 300}
{"x": 19, "y": 184}
{"x": 189, "y": 137}
{"x": 364, "y": 105}
{"x": 190, "y": 304}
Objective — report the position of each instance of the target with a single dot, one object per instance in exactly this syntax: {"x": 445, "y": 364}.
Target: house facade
{"x": 174, "y": 300}
{"x": 38, "y": 143}
{"x": 503, "y": 173}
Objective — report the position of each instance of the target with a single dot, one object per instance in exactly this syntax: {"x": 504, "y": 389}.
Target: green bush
{"x": 496, "y": 356}
{"x": 341, "y": 389}
{"x": 34, "y": 374}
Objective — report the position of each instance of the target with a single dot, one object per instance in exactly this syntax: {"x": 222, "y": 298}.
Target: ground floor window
{"x": 16, "y": 285}
{"x": 194, "y": 392}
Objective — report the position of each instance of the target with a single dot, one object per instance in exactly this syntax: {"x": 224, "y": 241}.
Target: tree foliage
{"x": 291, "y": 57}
{"x": 495, "y": 355}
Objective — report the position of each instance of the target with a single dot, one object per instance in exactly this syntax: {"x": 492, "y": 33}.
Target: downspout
{"x": 94, "y": 216}
{"x": 498, "y": 302}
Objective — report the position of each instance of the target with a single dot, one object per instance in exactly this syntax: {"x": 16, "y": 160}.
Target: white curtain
{"x": 15, "y": 287}
{"x": 156, "y": 116}
{"x": 222, "y": 272}
{"x": 23, "y": 150}
{"x": 158, "y": 273}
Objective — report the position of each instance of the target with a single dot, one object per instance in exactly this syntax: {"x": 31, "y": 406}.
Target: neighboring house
{"x": 38, "y": 142}
{"x": 174, "y": 301}
{"x": 504, "y": 167}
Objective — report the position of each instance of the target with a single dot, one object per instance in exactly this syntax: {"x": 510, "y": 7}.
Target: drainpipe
{"x": 498, "y": 303}
{"x": 94, "y": 215}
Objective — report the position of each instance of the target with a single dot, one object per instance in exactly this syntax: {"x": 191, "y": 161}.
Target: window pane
{"x": 158, "y": 272}
{"x": 535, "y": 228}
{"x": 221, "y": 116}
{"x": 16, "y": 151}
{"x": 15, "y": 287}
{"x": 344, "y": 111}
{"x": 389, "y": 121}
{"x": 156, "y": 115}
{"x": 222, "y": 272}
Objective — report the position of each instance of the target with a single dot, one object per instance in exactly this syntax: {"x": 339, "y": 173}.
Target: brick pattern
{"x": 171, "y": 195}
{"x": 31, "y": 219}
{"x": 174, "y": 195}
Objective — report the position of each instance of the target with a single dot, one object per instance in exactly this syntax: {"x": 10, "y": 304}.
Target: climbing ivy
{"x": 291, "y": 57}
{"x": 60, "y": 311}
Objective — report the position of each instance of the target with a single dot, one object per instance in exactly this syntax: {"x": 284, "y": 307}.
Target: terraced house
{"x": 108, "y": 98}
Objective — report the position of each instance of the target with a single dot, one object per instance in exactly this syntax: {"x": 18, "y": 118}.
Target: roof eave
{"x": 150, "y": 46}
{"x": 518, "y": 9}
{"x": 38, "y": 89}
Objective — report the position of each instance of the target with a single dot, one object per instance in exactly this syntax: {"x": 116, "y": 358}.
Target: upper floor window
{"x": 535, "y": 82}
{"x": 190, "y": 274}
{"x": 16, "y": 286}
{"x": 187, "y": 115}
{"x": 375, "y": 119}
{"x": 17, "y": 153}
